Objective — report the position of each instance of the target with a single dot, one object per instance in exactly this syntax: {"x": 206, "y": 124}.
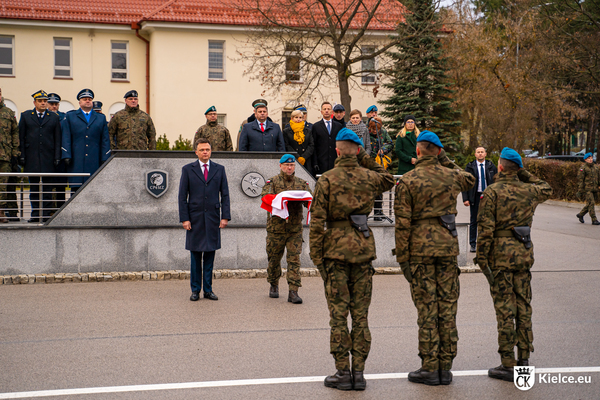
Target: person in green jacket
{"x": 406, "y": 145}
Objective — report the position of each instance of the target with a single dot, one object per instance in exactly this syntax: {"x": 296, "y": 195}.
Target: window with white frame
{"x": 292, "y": 62}
{"x": 216, "y": 59}
{"x": 368, "y": 65}
{"x": 222, "y": 119}
{"x": 7, "y": 55}
{"x": 120, "y": 61}
{"x": 62, "y": 58}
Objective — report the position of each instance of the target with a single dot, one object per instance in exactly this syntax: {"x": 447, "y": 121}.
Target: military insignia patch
{"x": 252, "y": 184}
{"x": 157, "y": 182}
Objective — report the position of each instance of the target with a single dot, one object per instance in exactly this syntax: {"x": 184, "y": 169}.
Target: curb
{"x": 86, "y": 277}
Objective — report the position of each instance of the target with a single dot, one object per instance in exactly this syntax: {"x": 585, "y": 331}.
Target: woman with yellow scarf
{"x": 298, "y": 138}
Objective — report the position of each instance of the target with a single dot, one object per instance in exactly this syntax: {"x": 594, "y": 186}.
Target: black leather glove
{"x": 316, "y": 169}
{"x": 14, "y": 164}
{"x": 405, "y": 267}
{"x": 56, "y": 162}
{"x": 67, "y": 161}
{"x": 22, "y": 161}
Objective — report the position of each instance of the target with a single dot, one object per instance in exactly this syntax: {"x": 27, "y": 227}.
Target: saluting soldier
{"x": 132, "y": 128}
{"x": 217, "y": 134}
{"x": 9, "y": 152}
{"x": 342, "y": 247}
{"x": 285, "y": 234}
{"x": 589, "y": 179}
{"x": 505, "y": 255}
{"x": 426, "y": 249}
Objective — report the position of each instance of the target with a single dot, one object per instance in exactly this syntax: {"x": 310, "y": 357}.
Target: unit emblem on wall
{"x": 252, "y": 184}
{"x": 157, "y": 182}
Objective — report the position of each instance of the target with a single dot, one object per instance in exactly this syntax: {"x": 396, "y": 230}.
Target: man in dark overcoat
{"x": 39, "y": 139}
{"x": 85, "y": 140}
{"x": 261, "y": 134}
{"x": 324, "y": 134}
{"x": 203, "y": 211}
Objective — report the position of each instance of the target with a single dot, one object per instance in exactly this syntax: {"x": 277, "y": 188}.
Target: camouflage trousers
{"x": 590, "y": 206}
{"x": 511, "y": 293}
{"x": 435, "y": 289}
{"x": 348, "y": 289}
{"x": 4, "y": 167}
{"x": 277, "y": 243}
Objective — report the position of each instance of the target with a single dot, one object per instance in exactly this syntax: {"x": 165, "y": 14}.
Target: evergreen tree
{"x": 182, "y": 144}
{"x": 162, "y": 143}
{"x": 419, "y": 84}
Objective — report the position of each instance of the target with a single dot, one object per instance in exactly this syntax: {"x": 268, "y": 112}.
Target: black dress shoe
{"x": 342, "y": 380}
{"x": 473, "y": 249}
{"x": 580, "y": 218}
{"x": 210, "y": 296}
{"x": 445, "y": 377}
{"x": 33, "y": 220}
{"x": 523, "y": 363}
{"x": 294, "y": 298}
{"x": 358, "y": 380}
{"x": 502, "y": 372}
{"x": 274, "y": 291}
{"x": 431, "y": 378}
{"x": 195, "y": 296}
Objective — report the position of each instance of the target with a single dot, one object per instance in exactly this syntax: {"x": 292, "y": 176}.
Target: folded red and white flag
{"x": 277, "y": 204}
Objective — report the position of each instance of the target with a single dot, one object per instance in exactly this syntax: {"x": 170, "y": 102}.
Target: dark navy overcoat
{"x": 253, "y": 139}
{"x": 204, "y": 203}
{"x": 39, "y": 141}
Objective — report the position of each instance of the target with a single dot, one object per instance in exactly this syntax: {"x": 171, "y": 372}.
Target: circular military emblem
{"x": 157, "y": 182}
{"x": 156, "y": 179}
{"x": 252, "y": 184}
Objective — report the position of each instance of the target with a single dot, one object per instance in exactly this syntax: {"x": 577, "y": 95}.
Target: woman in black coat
{"x": 298, "y": 138}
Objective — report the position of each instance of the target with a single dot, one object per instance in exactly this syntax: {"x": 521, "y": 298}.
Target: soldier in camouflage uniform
{"x": 426, "y": 249}
{"x": 342, "y": 247}
{"x": 9, "y": 150}
{"x": 217, "y": 134}
{"x": 285, "y": 234}
{"x": 589, "y": 179}
{"x": 505, "y": 212}
{"x": 131, "y": 128}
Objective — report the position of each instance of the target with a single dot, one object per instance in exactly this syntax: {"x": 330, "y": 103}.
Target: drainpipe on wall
{"x": 137, "y": 27}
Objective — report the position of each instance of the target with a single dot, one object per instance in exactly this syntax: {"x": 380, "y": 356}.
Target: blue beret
{"x": 372, "y": 108}
{"x": 53, "y": 98}
{"x": 97, "y": 105}
{"x": 300, "y": 107}
{"x": 131, "y": 93}
{"x": 428, "y": 136}
{"x": 85, "y": 93}
{"x": 40, "y": 95}
{"x": 346, "y": 134}
{"x": 210, "y": 109}
{"x": 339, "y": 107}
{"x": 287, "y": 158}
{"x": 511, "y": 155}
{"x": 587, "y": 155}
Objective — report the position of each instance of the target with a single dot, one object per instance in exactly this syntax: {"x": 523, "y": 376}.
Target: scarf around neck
{"x": 298, "y": 129}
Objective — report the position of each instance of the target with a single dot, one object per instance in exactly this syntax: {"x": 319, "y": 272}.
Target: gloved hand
{"x": 301, "y": 160}
{"x": 56, "y": 162}
{"x": 405, "y": 267}
{"x": 67, "y": 161}
{"x": 316, "y": 169}
{"x": 523, "y": 175}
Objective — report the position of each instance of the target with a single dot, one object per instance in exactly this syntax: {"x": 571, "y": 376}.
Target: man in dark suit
{"x": 479, "y": 168}
{"x": 39, "y": 139}
{"x": 324, "y": 134}
{"x": 261, "y": 134}
{"x": 85, "y": 140}
{"x": 204, "y": 211}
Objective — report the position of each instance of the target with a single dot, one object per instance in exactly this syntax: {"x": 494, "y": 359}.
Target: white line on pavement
{"x": 248, "y": 382}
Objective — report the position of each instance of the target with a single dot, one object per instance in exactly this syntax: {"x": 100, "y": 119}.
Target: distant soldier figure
{"x": 131, "y": 128}
{"x": 589, "y": 179}
{"x": 9, "y": 151}
{"x": 342, "y": 247}
{"x": 505, "y": 255}
{"x": 285, "y": 234}
{"x": 97, "y": 106}
{"x": 217, "y": 134}
{"x": 426, "y": 249}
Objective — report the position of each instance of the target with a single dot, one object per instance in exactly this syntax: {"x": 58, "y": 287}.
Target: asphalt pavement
{"x": 146, "y": 340}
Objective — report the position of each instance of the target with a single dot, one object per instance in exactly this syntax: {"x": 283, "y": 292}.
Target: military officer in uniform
{"x": 426, "y": 249}
{"x": 217, "y": 134}
{"x": 54, "y": 104}
{"x": 589, "y": 179}
{"x": 505, "y": 255}
{"x": 342, "y": 247}
{"x": 60, "y": 185}
{"x": 131, "y": 128}
{"x": 9, "y": 154}
{"x": 97, "y": 106}
{"x": 285, "y": 234}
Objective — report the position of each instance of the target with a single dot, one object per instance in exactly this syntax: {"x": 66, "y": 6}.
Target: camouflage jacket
{"x": 9, "y": 134}
{"x": 386, "y": 143}
{"x": 347, "y": 189}
{"x": 428, "y": 191}
{"x": 276, "y": 185}
{"x": 510, "y": 201}
{"x": 217, "y": 135}
{"x": 132, "y": 129}
{"x": 589, "y": 178}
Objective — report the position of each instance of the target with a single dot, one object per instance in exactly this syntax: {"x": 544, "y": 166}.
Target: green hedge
{"x": 561, "y": 175}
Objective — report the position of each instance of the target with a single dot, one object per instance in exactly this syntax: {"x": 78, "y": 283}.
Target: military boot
{"x": 595, "y": 222}
{"x": 358, "y": 380}
{"x": 501, "y": 372}
{"x": 445, "y": 377}
{"x": 431, "y": 378}
{"x": 580, "y": 218}
{"x": 274, "y": 291}
{"x": 294, "y": 298}
{"x": 342, "y": 380}
{"x": 523, "y": 363}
